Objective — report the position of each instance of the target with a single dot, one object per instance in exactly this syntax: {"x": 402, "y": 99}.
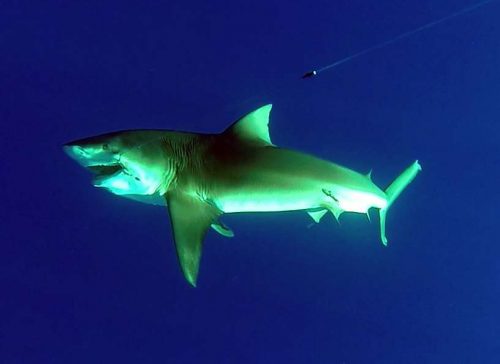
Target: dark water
{"x": 87, "y": 277}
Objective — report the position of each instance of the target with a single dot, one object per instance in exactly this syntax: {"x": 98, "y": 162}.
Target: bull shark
{"x": 200, "y": 177}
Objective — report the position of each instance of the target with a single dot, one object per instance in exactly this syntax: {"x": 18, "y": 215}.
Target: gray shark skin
{"x": 199, "y": 177}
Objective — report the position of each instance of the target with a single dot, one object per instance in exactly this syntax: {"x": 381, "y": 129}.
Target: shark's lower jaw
{"x": 118, "y": 180}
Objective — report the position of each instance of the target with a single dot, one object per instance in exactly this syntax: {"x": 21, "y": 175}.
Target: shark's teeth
{"x": 105, "y": 170}
{"x": 101, "y": 180}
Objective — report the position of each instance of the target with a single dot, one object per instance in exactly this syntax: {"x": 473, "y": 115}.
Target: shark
{"x": 200, "y": 177}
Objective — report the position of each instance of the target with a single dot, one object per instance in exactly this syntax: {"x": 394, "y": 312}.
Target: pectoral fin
{"x": 190, "y": 218}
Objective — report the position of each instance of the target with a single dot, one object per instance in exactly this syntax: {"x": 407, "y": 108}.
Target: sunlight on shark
{"x": 202, "y": 176}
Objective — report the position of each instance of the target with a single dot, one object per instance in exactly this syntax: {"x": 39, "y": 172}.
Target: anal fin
{"x": 335, "y": 210}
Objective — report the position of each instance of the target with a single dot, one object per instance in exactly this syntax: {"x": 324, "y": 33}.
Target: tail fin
{"x": 393, "y": 191}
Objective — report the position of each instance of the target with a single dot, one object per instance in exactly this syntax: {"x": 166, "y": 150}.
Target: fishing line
{"x": 468, "y": 9}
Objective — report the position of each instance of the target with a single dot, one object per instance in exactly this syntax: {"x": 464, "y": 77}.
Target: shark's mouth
{"x": 102, "y": 170}
{"x": 107, "y": 175}
{"x": 117, "y": 179}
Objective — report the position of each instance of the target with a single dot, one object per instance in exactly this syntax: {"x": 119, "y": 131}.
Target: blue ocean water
{"x": 88, "y": 277}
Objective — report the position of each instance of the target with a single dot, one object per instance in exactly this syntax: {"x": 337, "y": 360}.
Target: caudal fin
{"x": 394, "y": 190}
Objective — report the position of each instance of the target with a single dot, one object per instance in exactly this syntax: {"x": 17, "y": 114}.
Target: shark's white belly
{"x": 268, "y": 200}
{"x": 358, "y": 201}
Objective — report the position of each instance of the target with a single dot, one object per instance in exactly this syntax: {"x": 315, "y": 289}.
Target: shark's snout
{"x": 75, "y": 152}
{"x": 88, "y": 155}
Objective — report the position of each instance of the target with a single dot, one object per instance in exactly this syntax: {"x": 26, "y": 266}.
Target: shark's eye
{"x": 105, "y": 147}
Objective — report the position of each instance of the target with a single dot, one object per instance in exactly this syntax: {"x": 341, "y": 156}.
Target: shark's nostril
{"x": 81, "y": 151}
{"x": 81, "y": 154}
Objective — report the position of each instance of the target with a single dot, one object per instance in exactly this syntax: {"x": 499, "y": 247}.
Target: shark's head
{"x": 125, "y": 163}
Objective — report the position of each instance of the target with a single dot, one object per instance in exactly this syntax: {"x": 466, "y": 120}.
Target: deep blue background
{"x": 87, "y": 277}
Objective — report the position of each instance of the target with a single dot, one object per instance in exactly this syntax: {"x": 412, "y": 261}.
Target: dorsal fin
{"x": 253, "y": 127}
